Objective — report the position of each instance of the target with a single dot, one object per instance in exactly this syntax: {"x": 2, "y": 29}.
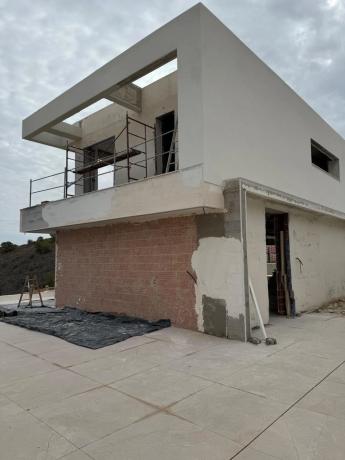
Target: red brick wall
{"x": 137, "y": 269}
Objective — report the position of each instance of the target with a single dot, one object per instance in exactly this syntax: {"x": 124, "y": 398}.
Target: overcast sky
{"x": 48, "y": 45}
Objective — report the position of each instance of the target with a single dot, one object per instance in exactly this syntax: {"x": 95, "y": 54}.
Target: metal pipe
{"x": 140, "y": 122}
{"x": 65, "y": 184}
{"x": 46, "y": 177}
{"x": 114, "y": 169}
{"x": 30, "y": 193}
{"x": 45, "y": 189}
{"x": 66, "y": 172}
{"x": 135, "y": 148}
{"x": 111, "y": 157}
{"x": 136, "y": 135}
{"x": 145, "y": 151}
{"x": 127, "y": 135}
{"x": 116, "y": 137}
{"x": 257, "y": 309}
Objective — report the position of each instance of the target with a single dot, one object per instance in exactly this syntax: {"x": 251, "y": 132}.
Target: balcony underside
{"x": 174, "y": 194}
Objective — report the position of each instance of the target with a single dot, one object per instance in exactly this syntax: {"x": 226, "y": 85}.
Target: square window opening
{"x": 324, "y": 160}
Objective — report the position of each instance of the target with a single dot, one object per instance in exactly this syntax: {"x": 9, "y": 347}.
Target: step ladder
{"x": 172, "y": 151}
{"x": 30, "y": 287}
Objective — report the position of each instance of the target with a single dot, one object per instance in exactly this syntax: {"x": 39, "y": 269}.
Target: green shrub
{"x": 8, "y": 246}
{"x": 43, "y": 246}
{"x": 48, "y": 279}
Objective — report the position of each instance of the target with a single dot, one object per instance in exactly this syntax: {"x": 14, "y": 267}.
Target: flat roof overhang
{"x": 178, "y": 193}
{"x": 180, "y": 37}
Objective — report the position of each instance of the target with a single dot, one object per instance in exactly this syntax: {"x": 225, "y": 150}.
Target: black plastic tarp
{"x": 91, "y": 330}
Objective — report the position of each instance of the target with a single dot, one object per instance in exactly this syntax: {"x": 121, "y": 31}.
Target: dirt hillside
{"x": 17, "y": 261}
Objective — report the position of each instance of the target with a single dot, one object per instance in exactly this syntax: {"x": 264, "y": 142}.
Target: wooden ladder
{"x": 32, "y": 287}
{"x": 172, "y": 150}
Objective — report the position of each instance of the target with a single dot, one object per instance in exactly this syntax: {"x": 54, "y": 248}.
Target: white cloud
{"x": 48, "y": 45}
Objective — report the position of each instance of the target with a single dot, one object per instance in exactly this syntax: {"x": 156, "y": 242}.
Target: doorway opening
{"x": 165, "y": 126}
{"x": 281, "y": 299}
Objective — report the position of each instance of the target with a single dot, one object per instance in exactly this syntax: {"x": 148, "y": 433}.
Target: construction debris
{"x": 337, "y": 307}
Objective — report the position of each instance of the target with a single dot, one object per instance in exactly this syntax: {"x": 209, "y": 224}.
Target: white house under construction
{"x": 179, "y": 193}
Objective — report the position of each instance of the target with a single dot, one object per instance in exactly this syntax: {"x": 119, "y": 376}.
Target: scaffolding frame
{"x": 104, "y": 158}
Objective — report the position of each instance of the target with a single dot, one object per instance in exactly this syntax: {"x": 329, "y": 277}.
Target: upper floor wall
{"x": 158, "y": 98}
{"x": 179, "y": 38}
{"x": 257, "y": 127}
{"x": 237, "y": 118}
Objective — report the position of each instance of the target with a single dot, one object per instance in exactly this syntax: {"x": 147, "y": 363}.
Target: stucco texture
{"x": 317, "y": 251}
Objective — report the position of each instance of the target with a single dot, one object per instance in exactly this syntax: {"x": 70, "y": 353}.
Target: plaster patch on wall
{"x": 209, "y": 225}
{"x": 218, "y": 264}
{"x": 236, "y": 327}
{"x": 214, "y": 315}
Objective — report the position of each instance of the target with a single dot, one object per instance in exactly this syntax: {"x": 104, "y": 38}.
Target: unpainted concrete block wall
{"x": 317, "y": 248}
{"x": 137, "y": 269}
{"x": 317, "y": 259}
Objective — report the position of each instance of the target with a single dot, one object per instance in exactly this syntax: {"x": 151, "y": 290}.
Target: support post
{"x": 127, "y": 136}
{"x": 66, "y": 173}
{"x": 155, "y": 147}
{"x": 145, "y": 150}
{"x": 30, "y": 193}
{"x": 65, "y": 184}
{"x": 114, "y": 172}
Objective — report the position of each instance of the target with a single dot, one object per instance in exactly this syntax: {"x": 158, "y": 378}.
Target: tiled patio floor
{"x": 176, "y": 394}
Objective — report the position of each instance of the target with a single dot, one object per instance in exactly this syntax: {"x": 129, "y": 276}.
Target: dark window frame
{"x": 324, "y": 160}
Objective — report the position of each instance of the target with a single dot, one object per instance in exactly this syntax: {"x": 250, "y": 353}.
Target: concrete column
{"x": 238, "y": 320}
{"x": 220, "y": 265}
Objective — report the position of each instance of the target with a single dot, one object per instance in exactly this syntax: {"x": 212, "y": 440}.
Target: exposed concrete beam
{"x": 55, "y": 141}
{"x": 147, "y": 55}
{"x": 66, "y": 130}
{"x": 129, "y": 66}
{"x": 128, "y": 96}
{"x": 275, "y": 195}
{"x": 50, "y": 139}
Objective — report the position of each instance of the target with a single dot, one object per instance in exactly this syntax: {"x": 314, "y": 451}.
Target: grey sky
{"x": 48, "y": 45}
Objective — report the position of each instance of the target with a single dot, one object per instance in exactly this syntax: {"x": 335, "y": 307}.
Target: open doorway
{"x": 165, "y": 125}
{"x": 97, "y": 168}
{"x": 281, "y": 299}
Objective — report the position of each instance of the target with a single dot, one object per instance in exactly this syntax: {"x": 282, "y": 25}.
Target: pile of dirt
{"x": 337, "y": 307}
{"x": 36, "y": 257}
{"x": 91, "y": 330}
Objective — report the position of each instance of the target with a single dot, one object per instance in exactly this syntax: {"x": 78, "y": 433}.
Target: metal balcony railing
{"x": 134, "y": 161}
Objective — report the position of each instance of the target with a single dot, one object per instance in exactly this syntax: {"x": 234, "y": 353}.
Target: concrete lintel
{"x": 66, "y": 130}
{"x": 128, "y": 96}
{"x": 272, "y": 194}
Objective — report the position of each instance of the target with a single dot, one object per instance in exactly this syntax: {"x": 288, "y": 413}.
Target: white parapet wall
{"x": 177, "y": 193}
